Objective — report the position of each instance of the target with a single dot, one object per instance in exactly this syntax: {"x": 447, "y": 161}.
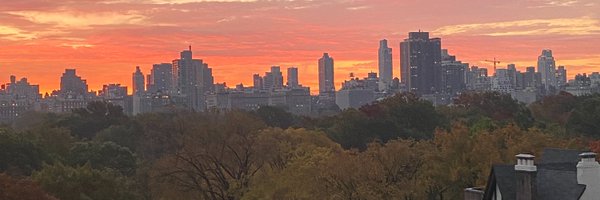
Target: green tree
{"x": 103, "y": 155}
{"x": 585, "y": 118}
{"x": 401, "y": 116}
{"x": 53, "y": 141}
{"x": 127, "y": 135}
{"x": 275, "y": 116}
{"x": 84, "y": 182}
{"x": 98, "y": 115}
{"x": 18, "y": 155}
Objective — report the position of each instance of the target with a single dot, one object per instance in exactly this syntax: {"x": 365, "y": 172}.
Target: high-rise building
{"x": 273, "y": 79}
{"x": 277, "y": 77}
{"x": 326, "y": 78}
{"x": 22, "y": 89}
{"x": 529, "y": 78}
{"x": 547, "y": 69}
{"x": 71, "y": 84}
{"x": 258, "y": 82}
{"x": 420, "y": 63}
{"x": 454, "y": 74}
{"x": 138, "y": 82}
{"x": 512, "y": 74}
{"x": 385, "y": 65}
{"x": 501, "y": 82}
{"x": 190, "y": 78}
{"x": 561, "y": 76}
{"x": 160, "y": 78}
{"x": 292, "y": 77}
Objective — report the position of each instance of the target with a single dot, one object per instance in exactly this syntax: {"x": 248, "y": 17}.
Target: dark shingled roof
{"x": 558, "y": 185}
{"x": 556, "y": 177}
{"x": 551, "y": 155}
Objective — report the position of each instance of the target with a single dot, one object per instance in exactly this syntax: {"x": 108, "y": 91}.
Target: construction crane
{"x": 495, "y": 62}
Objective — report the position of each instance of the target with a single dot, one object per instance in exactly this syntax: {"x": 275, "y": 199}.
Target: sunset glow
{"x": 106, "y": 39}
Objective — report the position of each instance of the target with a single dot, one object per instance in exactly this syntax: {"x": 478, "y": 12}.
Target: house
{"x": 560, "y": 175}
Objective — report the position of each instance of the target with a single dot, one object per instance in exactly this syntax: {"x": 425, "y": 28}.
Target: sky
{"x": 106, "y": 39}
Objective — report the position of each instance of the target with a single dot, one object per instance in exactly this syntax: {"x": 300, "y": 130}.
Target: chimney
{"x": 526, "y": 173}
{"x": 588, "y": 174}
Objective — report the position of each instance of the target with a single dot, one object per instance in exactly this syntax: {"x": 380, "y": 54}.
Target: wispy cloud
{"x": 14, "y": 34}
{"x": 358, "y": 8}
{"x": 562, "y": 26}
{"x": 227, "y": 19}
{"x": 79, "y": 19}
{"x": 172, "y": 1}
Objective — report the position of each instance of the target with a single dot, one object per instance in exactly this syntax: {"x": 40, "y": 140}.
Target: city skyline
{"x": 106, "y": 39}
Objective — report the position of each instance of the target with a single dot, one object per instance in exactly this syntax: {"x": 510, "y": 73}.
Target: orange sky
{"x": 106, "y": 39}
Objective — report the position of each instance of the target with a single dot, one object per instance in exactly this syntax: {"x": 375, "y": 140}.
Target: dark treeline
{"x": 398, "y": 148}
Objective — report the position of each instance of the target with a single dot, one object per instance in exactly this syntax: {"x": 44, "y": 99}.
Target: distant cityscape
{"x": 426, "y": 69}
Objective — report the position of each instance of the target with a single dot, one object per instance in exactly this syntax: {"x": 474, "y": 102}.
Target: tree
{"x": 84, "y": 182}
{"x": 401, "y": 116}
{"x": 53, "y": 141}
{"x": 275, "y": 116}
{"x": 127, "y": 135}
{"x": 103, "y": 155}
{"x": 217, "y": 159}
{"x": 23, "y": 189}
{"x": 19, "y": 156}
{"x": 98, "y": 115}
{"x": 497, "y": 106}
{"x": 294, "y": 160}
{"x": 585, "y": 118}
{"x": 554, "y": 108}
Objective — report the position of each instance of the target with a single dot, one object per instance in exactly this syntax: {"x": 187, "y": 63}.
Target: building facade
{"x": 420, "y": 65}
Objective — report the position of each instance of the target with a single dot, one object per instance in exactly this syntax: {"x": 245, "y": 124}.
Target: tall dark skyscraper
{"x": 420, "y": 63}
{"x": 190, "y": 76}
{"x": 547, "y": 69}
{"x": 561, "y": 76}
{"x": 138, "y": 82}
{"x": 326, "y": 80}
{"x": 160, "y": 78}
{"x": 71, "y": 84}
{"x": 385, "y": 65}
{"x": 292, "y": 77}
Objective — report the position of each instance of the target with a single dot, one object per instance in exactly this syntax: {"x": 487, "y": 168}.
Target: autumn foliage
{"x": 398, "y": 148}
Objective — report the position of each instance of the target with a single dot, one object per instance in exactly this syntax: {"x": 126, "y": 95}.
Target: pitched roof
{"x": 552, "y": 155}
{"x": 556, "y": 177}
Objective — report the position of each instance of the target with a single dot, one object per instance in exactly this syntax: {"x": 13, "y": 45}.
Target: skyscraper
{"x": 547, "y": 69}
{"x": 189, "y": 76}
{"x": 292, "y": 77}
{"x": 420, "y": 63}
{"x": 561, "y": 76}
{"x": 258, "y": 82}
{"x": 273, "y": 79}
{"x": 385, "y": 65}
{"x": 71, "y": 84}
{"x": 160, "y": 78}
{"x": 277, "y": 77}
{"x": 326, "y": 81}
{"x": 454, "y": 73}
{"x": 138, "y": 82}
